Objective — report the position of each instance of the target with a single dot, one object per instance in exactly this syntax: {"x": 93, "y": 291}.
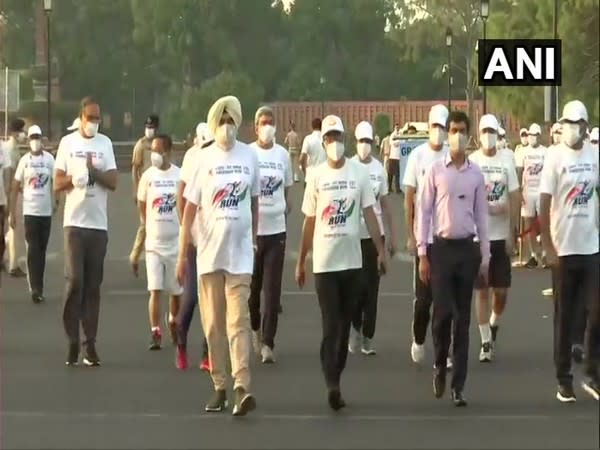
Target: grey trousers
{"x": 85, "y": 250}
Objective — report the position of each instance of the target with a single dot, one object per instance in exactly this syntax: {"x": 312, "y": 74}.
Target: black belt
{"x": 453, "y": 241}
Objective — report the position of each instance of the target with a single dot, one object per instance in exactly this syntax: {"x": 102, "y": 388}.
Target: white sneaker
{"x": 485, "y": 355}
{"x": 354, "y": 341}
{"x": 267, "y": 355}
{"x": 548, "y": 292}
{"x": 257, "y": 342}
{"x": 417, "y": 352}
{"x": 449, "y": 363}
{"x": 367, "y": 347}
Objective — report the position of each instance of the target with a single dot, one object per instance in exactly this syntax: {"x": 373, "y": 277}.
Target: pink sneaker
{"x": 205, "y": 365}
{"x": 181, "y": 358}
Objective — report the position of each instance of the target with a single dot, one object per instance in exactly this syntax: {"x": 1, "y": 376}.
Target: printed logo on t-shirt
{"x": 495, "y": 190}
{"x": 580, "y": 194}
{"x": 269, "y": 185}
{"x": 165, "y": 204}
{"x": 535, "y": 169}
{"x": 337, "y": 212}
{"x": 230, "y": 196}
{"x": 39, "y": 181}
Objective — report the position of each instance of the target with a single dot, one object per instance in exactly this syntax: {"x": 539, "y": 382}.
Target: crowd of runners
{"x": 213, "y": 232}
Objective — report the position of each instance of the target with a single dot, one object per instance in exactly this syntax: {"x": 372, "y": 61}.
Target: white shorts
{"x": 531, "y": 207}
{"x": 160, "y": 271}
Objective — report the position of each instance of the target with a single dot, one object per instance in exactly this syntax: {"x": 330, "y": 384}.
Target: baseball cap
{"x": 151, "y": 121}
{"x": 534, "y": 128}
{"x": 34, "y": 130}
{"x": 75, "y": 125}
{"x": 574, "y": 111}
{"x": 438, "y": 115}
{"x": 501, "y": 132}
{"x": 364, "y": 130}
{"x": 331, "y": 123}
{"x": 488, "y": 121}
{"x": 203, "y": 133}
{"x": 522, "y": 131}
{"x": 594, "y": 134}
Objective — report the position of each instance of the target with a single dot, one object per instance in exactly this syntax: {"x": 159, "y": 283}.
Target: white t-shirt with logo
{"x": 532, "y": 161}
{"x": 35, "y": 173}
{"x": 500, "y": 177}
{"x": 275, "y": 175}
{"x": 419, "y": 161}
{"x": 85, "y": 208}
{"x": 378, "y": 180}
{"x": 158, "y": 189}
{"x": 312, "y": 146}
{"x": 335, "y": 197}
{"x": 572, "y": 177}
{"x": 5, "y": 164}
{"x": 222, "y": 187}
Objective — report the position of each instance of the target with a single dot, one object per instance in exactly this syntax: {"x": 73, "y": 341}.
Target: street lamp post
{"x": 449, "y": 46}
{"x": 322, "y": 83}
{"x": 485, "y": 13}
{"x": 48, "y": 10}
{"x": 554, "y": 91}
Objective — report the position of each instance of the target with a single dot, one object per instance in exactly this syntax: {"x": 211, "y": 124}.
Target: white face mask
{"x": 363, "y": 150}
{"x": 225, "y": 136}
{"x": 532, "y": 140}
{"x": 571, "y": 134}
{"x": 488, "y": 140}
{"x": 156, "y": 159}
{"x": 457, "y": 142}
{"x": 91, "y": 129}
{"x": 436, "y": 136}
{"x": 149, "y": 133}
{"x": 335, "y": 151}
{"x": 35, "y": 145}
{"x": 266, "y": 133}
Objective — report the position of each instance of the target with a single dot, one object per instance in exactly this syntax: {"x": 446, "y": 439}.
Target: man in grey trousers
{"x": 85, "y": 170}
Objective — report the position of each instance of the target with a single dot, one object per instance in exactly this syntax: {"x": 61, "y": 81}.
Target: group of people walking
{"x": 215, "y": 230}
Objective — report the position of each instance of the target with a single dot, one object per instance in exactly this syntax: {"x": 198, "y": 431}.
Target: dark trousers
{"x": 365, "y": 316}
{"x": 576, "y": 281}
{"x": 421, "y": 304}
{"x": 189, "y": 300}
{"x": 393, "y": 172}
{"x": 268, "y": 270}
{"x": 454, "y": 266}
{"x": 3, "y": 214}
{"x": 85, "y": 250}
{"x": 37, "y": 234}
{"x": 338, "y": 295}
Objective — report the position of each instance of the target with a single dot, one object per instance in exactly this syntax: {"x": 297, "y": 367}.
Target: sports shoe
{"x": 532, "y": 263}
{"x": 37, "y": 298}
{"x": 485, "y": 355}
{"x": 367, "y": 347}
{"x": 244, "y": 402}
{"x": 155, "y": 340}
{"x": 72, "y": 355}
{"x": 17, "y": 273}
{"x": 592, "y": 387}
{"x": 417, "y": 352}
{"x": 217, "y": 403}
{"x": 449, "y": 363}
{"x": 335, "y": 400}
{"x": 458, "y": 399}
{"x": 91, "y": 358}
{"x": 439, "y": 383}
{"x": 267, "y": 355}
{"x": 354, "y": 341}
{"x": 205, "y": 364}
{"x": 257, "y": 341}
{"x": 565, "y": 393}
{"x": 548, "y": 292}
{"x": 181, "y": 361}
{"x": 494, "y": 330}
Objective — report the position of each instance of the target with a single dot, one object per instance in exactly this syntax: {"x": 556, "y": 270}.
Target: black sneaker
{"x": 91, "y": 357}
{"x": 439, "y": 383}
{"x": 565, "y": 393}
{"x": 217, "y": 403}
{"x": 244, "y": 402}
{"x": 592, "y": 387}
{"x": 532, "y": 263}
{"x": 577, "y": 353}
{"x": 335, "y": 400}
{"x": 37, "y": 298}
{"x": 17, "y": 273}
{"x": 155, "y": 340}
{"x": 494, "y": 329}
{"x": 485, "y": 355}
{"x": 73, "y": 355}
{"x": 458, "y": 399}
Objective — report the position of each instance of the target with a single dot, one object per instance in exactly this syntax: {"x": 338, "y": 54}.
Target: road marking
{"x": 138, "y": 292}
{"x": 300, "y": 417}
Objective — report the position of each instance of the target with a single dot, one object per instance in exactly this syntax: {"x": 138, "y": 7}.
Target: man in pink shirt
{"x": 454, "y": 197}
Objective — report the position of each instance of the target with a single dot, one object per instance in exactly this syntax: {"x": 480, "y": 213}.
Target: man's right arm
{"x": 303, "y": 155}
{"x": 425, "y": 211}
{"x": 136, "y": 166}
{"x": 62, "y": 181}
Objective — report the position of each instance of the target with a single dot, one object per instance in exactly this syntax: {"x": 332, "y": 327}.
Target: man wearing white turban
{"x": 223, "y": 195}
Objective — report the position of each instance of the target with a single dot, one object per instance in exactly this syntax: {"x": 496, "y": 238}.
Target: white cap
{"x": 438, "y": 115}
{"x": 75, "y": 125}
{"x": 522, "y": 131}
{"x": 555, "y": 128}
{"x": 594, "y": 134}
{"x": 574, "y": 111}
{"x": 34, "y": 130}
{"x": 331, "y": 123}
{"x": 534, "y": 128}
{"x": 501, "y": 132}
{"x": 203, "y": 133}
{"x": 488, "y": 121}
{"x": 363, "y": 130}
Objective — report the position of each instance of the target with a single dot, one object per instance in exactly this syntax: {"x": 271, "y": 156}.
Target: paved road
{"x": 137, "y": 399}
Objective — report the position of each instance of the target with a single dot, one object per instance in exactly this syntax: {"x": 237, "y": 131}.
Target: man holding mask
{"x": 224, "y": 191}
{"x": 453, "y": 204}
{"x": 569, "y": 222}
{"x": 419, "y": 161}
{"x": 335, "y": 193}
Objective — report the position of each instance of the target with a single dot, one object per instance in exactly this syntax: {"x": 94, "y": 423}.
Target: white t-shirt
{"x": 419, "y": 161}
{"x": 335, "y": 198}
{"x": 312, "y": 146}
{"x": 532, "y": 161}
{"x": 508, "y": 154}
{"x": 395, "y": 147}
{"x": 5, "y": 164}
{"x": 158, "y": 189}
{"x": 572, "y": 177}
{"x": 35, "y": 173}
{"x": 275, "y": 175}
{"x": 378, "y": 180}
{"x": 85, "y": 208}
{"x": 500, "y": 177}
{"x": 222, "y": 187}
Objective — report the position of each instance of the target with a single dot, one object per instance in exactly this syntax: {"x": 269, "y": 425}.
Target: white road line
{"x": 137, "y": 292}
{"x": 300, "y": 417}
